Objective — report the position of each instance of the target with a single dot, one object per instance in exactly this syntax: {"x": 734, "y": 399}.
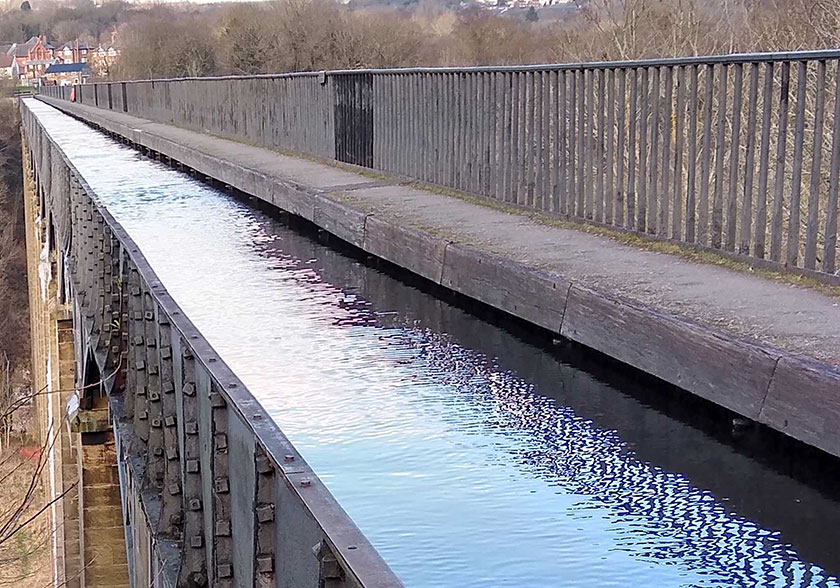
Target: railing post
{"x": 781, "y": 160}
{"x": 830, "y": 245}
{"x": 749, "y": 165}
{"x": 795, "y": 206}
{"x": 816, "y": 168}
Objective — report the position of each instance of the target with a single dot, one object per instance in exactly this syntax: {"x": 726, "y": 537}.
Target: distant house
{"x": 102, "y": 60}
{"x": 74, "y": 52}
{"x": 66, "y": 74}
{"x": 107, "y": 51}
{"x": 8, "y": 67}
{"x": 33, "y": 58}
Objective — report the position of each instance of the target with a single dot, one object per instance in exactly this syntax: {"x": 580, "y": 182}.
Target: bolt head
{"x": 224, "y": 570}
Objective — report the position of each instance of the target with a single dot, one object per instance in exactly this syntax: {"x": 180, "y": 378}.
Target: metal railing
{"x": 215, "y": 494}
{"x": 734, "y": 153}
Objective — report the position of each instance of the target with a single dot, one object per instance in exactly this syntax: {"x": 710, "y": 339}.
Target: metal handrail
{"x": 738, "y": 154}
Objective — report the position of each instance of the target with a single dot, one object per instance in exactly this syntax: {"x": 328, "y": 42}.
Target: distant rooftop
{"x": 75, "y": 45}
{"x": 67, "y": 68}
{"x": 22, "y": 50}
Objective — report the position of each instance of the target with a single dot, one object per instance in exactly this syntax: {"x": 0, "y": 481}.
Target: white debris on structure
{"x": 44, "y": 271}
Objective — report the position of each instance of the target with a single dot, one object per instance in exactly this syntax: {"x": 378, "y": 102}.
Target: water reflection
{"x": 467, "y": 456}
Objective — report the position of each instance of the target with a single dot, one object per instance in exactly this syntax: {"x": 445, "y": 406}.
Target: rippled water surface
{"x": 470, "y": 458}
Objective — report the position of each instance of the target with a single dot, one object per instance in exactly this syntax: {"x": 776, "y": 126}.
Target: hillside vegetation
{"x": 159, "y": 40}
{"x": 296, "y": 35}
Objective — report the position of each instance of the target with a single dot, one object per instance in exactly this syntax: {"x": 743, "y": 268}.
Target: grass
{"x": 23, "y": 545}
{"x": 25, "y": 561}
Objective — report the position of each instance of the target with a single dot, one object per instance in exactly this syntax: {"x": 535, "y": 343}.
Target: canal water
{"x": 470, "y": 454}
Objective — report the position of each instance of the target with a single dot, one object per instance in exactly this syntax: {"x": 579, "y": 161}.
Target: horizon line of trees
{"x": 161, "y": 40}
{"x": 309, "y": 35}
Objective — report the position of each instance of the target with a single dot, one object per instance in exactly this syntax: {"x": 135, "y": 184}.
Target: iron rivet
{"x": 225, "y": 570}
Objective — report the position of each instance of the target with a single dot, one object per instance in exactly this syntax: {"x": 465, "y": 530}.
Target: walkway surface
{"x": 717, "y": 332}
